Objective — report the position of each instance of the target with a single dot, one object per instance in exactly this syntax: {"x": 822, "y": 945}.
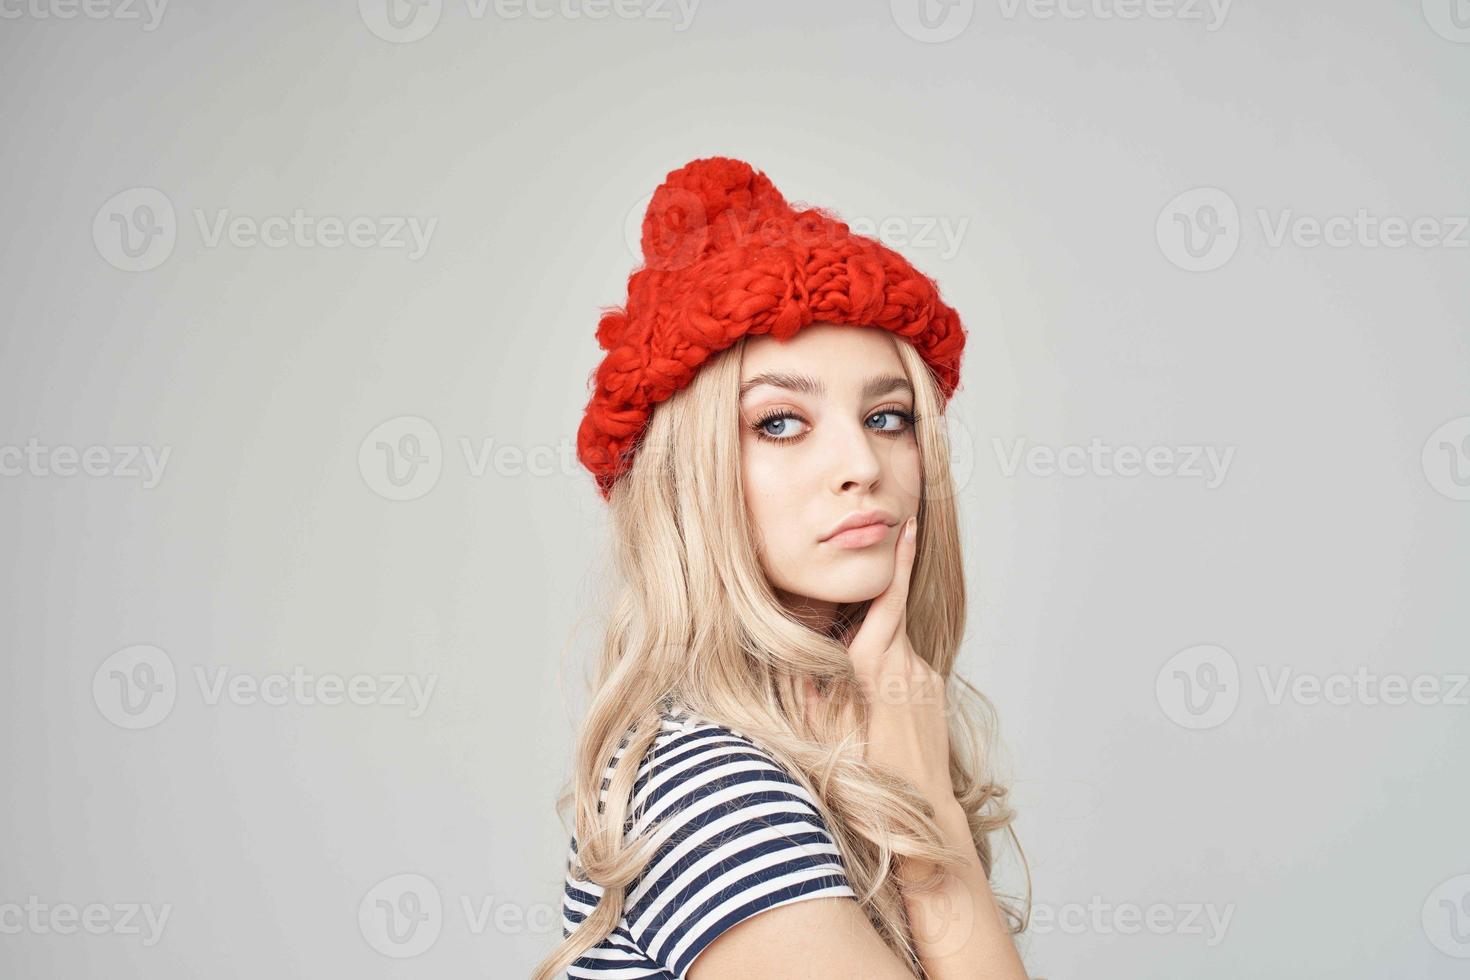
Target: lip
{"x": 866, "y": 524}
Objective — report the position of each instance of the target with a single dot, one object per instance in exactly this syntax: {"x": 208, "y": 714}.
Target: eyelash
{"x": 909, "y": 418}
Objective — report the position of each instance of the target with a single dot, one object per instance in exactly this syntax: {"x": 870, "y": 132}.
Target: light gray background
{"x": 1052, "y": 147}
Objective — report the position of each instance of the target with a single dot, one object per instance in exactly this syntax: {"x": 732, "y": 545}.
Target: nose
{"x": 856, "y": 465}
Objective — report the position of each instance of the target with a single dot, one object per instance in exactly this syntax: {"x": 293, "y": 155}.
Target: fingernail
{"x": 910, "y": 528}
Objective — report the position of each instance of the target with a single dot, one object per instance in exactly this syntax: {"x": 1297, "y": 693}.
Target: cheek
{"x": 767, "y": 472}
{"x": 772, "y": 485}
{"x": 906, "y": 457}
{"x": 904, "y": 470}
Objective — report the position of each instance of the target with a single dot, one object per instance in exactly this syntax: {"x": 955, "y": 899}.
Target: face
{"x": 827, "y": 437}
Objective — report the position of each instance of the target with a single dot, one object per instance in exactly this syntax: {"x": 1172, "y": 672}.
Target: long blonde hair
{"x": 695, "y": 618}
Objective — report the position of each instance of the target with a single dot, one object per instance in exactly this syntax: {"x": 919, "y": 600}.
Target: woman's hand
{"x": 958, "y": 928}
{"x": 908, "y": 728}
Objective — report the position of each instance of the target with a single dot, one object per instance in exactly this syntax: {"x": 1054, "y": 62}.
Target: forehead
{"x": 834, "y": 354}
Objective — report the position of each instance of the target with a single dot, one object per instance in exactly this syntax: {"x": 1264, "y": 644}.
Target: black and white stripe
{"x": 737, "y": 835}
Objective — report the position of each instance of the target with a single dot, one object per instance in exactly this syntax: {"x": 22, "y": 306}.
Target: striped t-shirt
{"x": 737, "y": 835}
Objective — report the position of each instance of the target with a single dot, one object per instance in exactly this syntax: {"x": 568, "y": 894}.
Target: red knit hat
{"x": 724, "y": 255}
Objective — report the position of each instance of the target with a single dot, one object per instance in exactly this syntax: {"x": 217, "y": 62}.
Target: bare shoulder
{"x": 817, "y": 939}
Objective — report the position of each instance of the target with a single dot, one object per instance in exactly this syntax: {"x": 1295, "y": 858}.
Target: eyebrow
{"x": 880, "y": 384}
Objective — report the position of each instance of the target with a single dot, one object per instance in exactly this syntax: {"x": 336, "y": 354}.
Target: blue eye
{"x": 905, "y": 419}
{"x": 782, "y": 433}
{"x": 775, "y": 426}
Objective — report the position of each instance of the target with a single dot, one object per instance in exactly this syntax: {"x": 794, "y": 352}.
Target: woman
{"x": 810, "y": 796}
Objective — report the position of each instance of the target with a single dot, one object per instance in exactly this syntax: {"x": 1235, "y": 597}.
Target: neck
{"x": 816, "y": 614}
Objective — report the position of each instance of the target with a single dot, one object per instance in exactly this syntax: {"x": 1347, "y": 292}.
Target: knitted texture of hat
{"x": 724, "y": 256}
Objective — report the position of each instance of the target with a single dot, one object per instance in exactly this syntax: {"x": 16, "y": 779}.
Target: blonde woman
{"x": 779, "y": 774}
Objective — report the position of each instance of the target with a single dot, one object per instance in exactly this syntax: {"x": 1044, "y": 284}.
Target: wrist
{"x": 954, "y": 832}
{"x": 953, "y": 820}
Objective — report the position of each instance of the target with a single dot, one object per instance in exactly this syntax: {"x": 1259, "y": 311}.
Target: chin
{"x": 857, "y": 579}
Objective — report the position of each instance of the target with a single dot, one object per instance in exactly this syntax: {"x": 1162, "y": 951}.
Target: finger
{"x": 887, "y": 610}
{"x": 895, "y": 598}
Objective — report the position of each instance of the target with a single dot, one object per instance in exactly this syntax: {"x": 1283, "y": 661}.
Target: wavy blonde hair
{"x": 695, "y": 618}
